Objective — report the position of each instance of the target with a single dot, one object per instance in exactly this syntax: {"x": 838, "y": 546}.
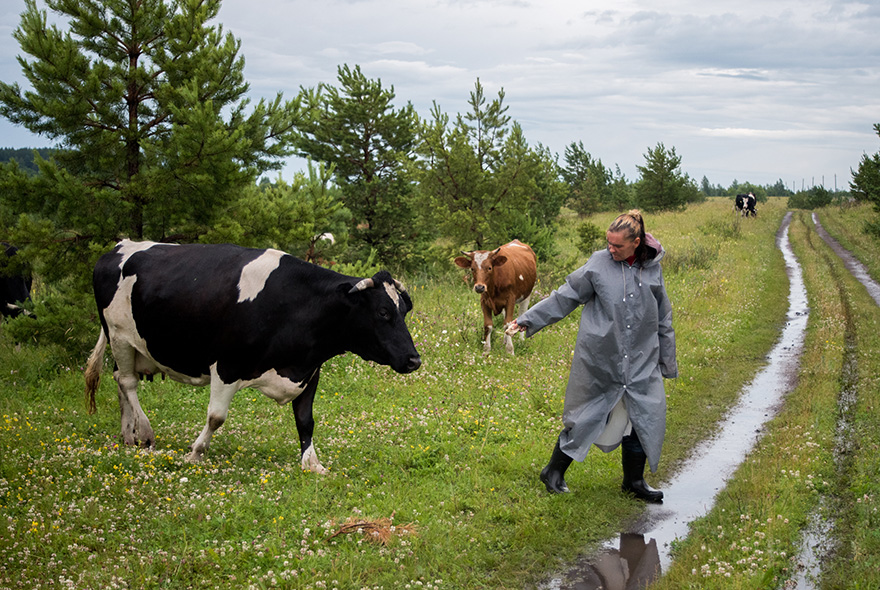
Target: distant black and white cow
{"x": 233, "y": 317}
{"x": 744, "y": 205}
{"x": 749, "y": 206}
{"x": 15, "y": 288}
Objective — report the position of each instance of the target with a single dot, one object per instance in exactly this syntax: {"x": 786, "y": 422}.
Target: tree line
{"x": 157, "y": 139}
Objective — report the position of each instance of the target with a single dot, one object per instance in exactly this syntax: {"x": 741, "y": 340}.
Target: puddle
{"x": 814, "y": 548}
{"x": 640, "y": 554}
{"x": 852, "y": 264}
{"x": 818, "y": 542}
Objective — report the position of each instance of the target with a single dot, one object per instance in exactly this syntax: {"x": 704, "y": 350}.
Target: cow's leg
{"x": 218, "y": 409}
{"x": 305, "y": 426}
{"x": 524, "y": 307}
{"x": 134, "y": 424}
{"x": 508, "y": 318}
{"x": 488, "y": 327}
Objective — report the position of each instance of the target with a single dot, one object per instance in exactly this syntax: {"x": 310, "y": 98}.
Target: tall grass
{"x": 444, "y": 460}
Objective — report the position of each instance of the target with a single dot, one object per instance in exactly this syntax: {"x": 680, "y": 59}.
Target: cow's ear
{"x": 499, "y": 260}
{"x": 463, "y": 261}
{"x": 406, "y": 301}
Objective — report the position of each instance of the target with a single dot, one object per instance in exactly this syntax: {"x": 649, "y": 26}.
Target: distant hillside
{"x": 25, "y": 156}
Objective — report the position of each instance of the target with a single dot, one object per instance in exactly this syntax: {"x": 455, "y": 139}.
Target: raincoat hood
{"x": 655, "y": 250}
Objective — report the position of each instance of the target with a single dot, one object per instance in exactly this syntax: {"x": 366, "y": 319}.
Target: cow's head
{"x": 482, "y": 263}
{"x": 375, "y": 325}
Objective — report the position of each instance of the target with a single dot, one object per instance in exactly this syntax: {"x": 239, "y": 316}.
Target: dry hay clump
{"x": 381, "y": 531}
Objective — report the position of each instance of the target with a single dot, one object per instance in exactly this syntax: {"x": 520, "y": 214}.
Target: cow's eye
{"x": 384, "y": 313}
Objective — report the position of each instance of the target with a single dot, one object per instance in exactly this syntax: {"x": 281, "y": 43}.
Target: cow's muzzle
{"x": 412, "y": 364}
{"x": 480, "y": 288}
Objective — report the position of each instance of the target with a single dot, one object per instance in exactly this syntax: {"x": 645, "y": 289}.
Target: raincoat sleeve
{"x": 577, "y": 290}
{"x": 668, "y": 363}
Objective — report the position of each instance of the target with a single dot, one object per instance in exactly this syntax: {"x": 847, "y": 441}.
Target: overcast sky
{"x": 752, "y": 90}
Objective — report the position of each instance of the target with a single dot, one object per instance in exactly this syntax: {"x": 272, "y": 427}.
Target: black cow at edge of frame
{"x": 15, "y": 288}
{"x": 233, "y": 317}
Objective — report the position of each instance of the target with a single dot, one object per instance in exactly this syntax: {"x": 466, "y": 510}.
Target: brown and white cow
{"x": 503, "y": 277}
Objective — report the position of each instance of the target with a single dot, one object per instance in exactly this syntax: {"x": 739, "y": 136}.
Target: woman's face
{"x": 620, "y": 246}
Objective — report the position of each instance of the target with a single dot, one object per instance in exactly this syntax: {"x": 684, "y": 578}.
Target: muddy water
{"x": 818, "y": 542}
{"x": 642, "y": 552}
{"x": 855, "y": 267}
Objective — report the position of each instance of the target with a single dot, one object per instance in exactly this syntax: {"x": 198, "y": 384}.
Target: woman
{"x": 625, "y": 347}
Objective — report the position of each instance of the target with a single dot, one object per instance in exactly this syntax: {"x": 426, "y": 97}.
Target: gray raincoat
{"x": 625, "y": 347}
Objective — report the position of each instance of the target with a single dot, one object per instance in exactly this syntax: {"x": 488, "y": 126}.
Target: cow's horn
{"x": 399, "y": 285}
{"x": 363, "y": 284}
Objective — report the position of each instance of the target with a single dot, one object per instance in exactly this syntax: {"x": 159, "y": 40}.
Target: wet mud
{"x": 642, "y": 551}
{"x": 818, "y": 542}
{"x": 856, "y": 268}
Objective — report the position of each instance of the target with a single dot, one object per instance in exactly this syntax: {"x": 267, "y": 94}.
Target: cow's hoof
{"x": 194, "y": 457}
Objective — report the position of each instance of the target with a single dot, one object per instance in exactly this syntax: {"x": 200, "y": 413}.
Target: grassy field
{"x": 802, "y": 468}
{"x": 442, "y": 464}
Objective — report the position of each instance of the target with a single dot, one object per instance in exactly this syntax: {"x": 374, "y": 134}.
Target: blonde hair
{"x": 633, "y": 226}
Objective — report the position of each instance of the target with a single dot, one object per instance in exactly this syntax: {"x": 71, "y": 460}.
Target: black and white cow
{"x": 233, "y": 317}
{"x": 744, "y": 205}
{"x": 15, "y": 288}
{"x": 749, "y": 206}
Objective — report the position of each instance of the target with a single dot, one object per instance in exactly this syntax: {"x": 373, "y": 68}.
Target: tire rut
{"x": 820, "y": 544}
{"x": 646, "y": 544}
{"x": 642, "y": 551}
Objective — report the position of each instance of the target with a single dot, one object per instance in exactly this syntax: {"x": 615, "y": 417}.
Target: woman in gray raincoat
{"x": 625, "y": 347}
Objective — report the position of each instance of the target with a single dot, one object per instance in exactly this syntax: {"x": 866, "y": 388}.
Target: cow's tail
{"x": 93, "y": 371}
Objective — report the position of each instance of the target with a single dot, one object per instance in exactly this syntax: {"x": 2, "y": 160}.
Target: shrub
{"x": 591, "y": 237}
{"x": 813, "y": 198}
{"x": 694, "y": 257}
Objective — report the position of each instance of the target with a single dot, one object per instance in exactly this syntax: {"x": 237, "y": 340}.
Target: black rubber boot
{"x": 634, "y": 459}
{"x": 553, "y": 475}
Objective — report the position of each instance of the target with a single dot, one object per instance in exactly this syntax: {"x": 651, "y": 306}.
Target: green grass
{"x": 450, "y": 454}
{"x": 751, "y": 537}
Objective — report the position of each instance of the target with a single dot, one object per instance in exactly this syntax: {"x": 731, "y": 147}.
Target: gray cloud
{"x": 747, "y": 89}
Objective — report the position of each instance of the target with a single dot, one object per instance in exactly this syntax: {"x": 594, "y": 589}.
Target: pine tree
{"x": 480, "y": 177}
{"x": 662, "y": 186}
{"x": 588, "y": 180}
{"x": 146, "y": 101}
{"x": 865, "y": 184}
{"x": 356, "y": 128}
